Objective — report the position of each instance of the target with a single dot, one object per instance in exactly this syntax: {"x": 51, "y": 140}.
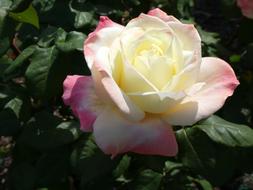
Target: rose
{"x": 146, "y": 77}
{"x": 246, "y": 7}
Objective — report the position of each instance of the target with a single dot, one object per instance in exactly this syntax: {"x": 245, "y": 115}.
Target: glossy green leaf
{"x": 73, "y": 41}
{"x": 122, "y": 166}
{"x": 15, "y": 104}
{"x": 29, "y": 16}
{"x": 19, "y": 61}
{"x": 169, "y": 166}
{"x": 202, "y": 155}
{"x": 205, "y": 185}
{"x": 5, "y": 62}
{"x": 45, "y": 5}
{"x": 227, "y": 133}
{"x": 38, "y": 72}
{"x": 50, "y": 35}
{"x": 82, "y": 19}
{"x": 4, "y": 44}
{"x": 72, "y": 126}
{"x": 148, "y": 180}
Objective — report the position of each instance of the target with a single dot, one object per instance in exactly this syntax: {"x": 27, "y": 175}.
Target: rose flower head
{"x": 146, "y": 77}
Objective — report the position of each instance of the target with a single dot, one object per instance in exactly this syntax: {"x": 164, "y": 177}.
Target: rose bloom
{"x": 146, "y": 77}
{"x": 246, "y": 7}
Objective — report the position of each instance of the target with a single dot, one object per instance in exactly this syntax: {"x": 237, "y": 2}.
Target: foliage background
{"x": 42, "y": 147}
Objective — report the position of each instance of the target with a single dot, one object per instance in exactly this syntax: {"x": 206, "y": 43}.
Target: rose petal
{"x": 246, "y": 7}
{"x": 184, "y": 79}
{"x": 115, "y": 135}
{"x": 188, "y": 36}
{"x": 98, "y": 43}
{"x": 162, "y": 15}
{"x": 146, "y": 22}
{"x": 220, "y": 82}
{"x": 78, "y": 92}
{"x": 156, "y": 102}
{"x": 110, "y": 93}
{"x": 133, "y": 81}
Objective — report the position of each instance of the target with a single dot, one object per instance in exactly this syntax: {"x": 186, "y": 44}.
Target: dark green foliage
{"x": 41, "y": 42}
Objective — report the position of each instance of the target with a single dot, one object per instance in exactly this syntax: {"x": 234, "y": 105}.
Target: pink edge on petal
{"x": 115, "y": 135}
{"x": 162, "y": 15}
{"x": 104, "y": 22}
{"x": 77, "y": 90}
{"x": 219, "y": 83}
{"x": 94, "y": 41}
{"x": 164, "y": 144}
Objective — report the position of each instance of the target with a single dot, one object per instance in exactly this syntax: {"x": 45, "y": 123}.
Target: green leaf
{"x": 83, "y": 19}
{"x": 4, "y": 44}
{"x": 234, "y": 58}
{"x": 148, "y": 180}
{"x": 196, "y": 157}
{"x": 5, "y": 62}
{"x": 122, "y": 166}
{"x": 227, "y": 133}
{"x": 73, "y": 41}
{"x": 20, "y": 106}
{"x": 29, "y": 16}
{"x": 205, "y": 185}
{"x": 169, "y": 166}
{"x": 5, "y": 4}
{"x": 19, "y": 61}
{"x": 85, "y": 158}
{"x": 90, "y": 148}
{"x": 209, "y": 38}
{"x": 15, "y": 104}
{"x": 203, "y": 156}
{"x": 45, "y": 5}
{"x": 73, "y": 127}
{"x": 39, "y": 72}
{"x": 50, "y": 35}
{"x": 3, "y": 14}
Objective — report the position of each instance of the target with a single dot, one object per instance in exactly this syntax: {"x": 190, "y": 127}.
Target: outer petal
{"x": 98, "y": 43}
{"x": 109, "y": 92}
{"x": 220, "y": 82}
{"x": 188, "y": 36}
{"x": 78, "y": 92}
{"x": 115, "y": 135}
{"x": 146, "y": 22}
{"x": 162, "y": 15}
{"x": 246, "y": 7}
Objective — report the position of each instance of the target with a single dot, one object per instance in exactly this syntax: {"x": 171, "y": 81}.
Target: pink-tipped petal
{"x": 77, "y": 94}
{"x": 246, "y": 7}
{"x": 110, "y": 93}
{"x": 101, "y": 40}
{"x": 115, "y": 135}
{"x": 162, "y": 15}
{"x": 220, "y": 83}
